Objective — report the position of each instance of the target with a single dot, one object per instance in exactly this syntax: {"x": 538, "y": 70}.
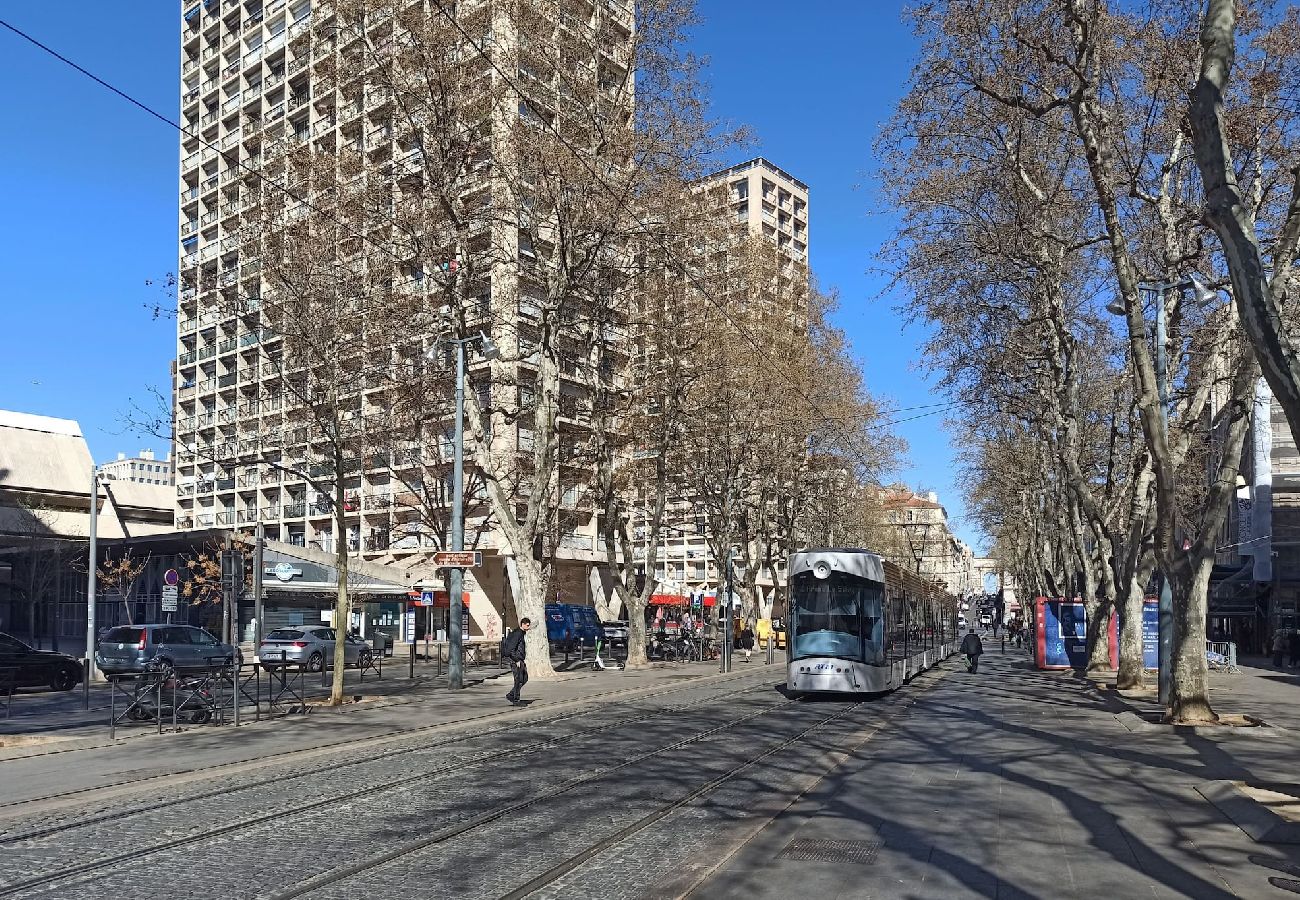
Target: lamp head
{"x": 487, "y": 348}
{"x": 1202, "y": 293}
{"x": 1116, "y": 307}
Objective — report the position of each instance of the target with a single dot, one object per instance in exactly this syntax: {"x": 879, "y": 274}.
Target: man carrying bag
{"x": 514, "y": 652}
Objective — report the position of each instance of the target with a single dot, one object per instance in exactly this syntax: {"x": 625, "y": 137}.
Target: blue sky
{"x": 89, "y": 188}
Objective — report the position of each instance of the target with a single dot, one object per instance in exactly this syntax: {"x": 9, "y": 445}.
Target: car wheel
{"x": 200, "y": 717}
{"x": 316, "y": 662}
{"x": 65, "y": 679}
{"x": 163, "y": 666}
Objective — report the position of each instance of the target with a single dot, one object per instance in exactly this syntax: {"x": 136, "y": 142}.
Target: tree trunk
{"x": 1190, "y": 684}
{"x": 342, "y": 610}
{"x": 1099, "y": 613}
{"x": 1132, "y": 668}
{"x": 636, "y": 631}
{"x": 531, "y": 604}
{"x": 1232, "y": 219}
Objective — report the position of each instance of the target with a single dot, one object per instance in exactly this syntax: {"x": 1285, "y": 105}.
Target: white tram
{"x": 859, "y": 624}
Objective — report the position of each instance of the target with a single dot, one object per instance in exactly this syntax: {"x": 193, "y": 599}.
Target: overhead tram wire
{"x": 187, "y": 132}
{"x": 479, "y": 49}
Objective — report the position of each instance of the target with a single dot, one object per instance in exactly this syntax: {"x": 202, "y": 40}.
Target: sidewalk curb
{"x": 1262, "y": 824}
{"x": 72, "y": 745}
{"x": 1133, "y": 721}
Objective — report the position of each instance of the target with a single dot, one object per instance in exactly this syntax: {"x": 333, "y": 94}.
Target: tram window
{"x": 839, "y": 616}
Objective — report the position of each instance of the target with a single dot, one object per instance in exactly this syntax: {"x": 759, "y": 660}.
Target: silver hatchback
{"x": 142, "y": 648}
{"x": 310, "y": 644}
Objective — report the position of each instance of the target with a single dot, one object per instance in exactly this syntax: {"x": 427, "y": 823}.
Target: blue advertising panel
{"x": 1151, "y": 634}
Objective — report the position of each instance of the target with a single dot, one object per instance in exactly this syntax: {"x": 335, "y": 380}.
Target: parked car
{"x": 961, "y": 620}
{"x": 38, "y": 668}
{"x": 142, "y": 648}
{"x": 574, "y": 623}
{"x": 615, "y": 633}
{"x": 310, "y": 644}
{"x": 986, "y": 621}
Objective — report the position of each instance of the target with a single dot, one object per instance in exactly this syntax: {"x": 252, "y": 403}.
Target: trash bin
{"x": 383, "y": 644}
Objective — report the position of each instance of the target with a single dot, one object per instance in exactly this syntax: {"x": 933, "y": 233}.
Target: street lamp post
{"x": 90, "y": 575}
{"x": 456, "y": 579}
{"x": 1165, "y": 643}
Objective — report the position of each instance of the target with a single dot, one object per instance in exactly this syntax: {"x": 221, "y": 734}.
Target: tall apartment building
{"x": 260, "y": 76}
{"x": 144, "y": 468}
{"x": 762, "y": 200}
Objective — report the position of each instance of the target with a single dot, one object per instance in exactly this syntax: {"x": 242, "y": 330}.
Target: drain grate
{"x": 862, "y": 853}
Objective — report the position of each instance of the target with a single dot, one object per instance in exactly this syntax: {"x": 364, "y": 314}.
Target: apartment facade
{"x": 756, "y": 198}
{"x": 923, "y": 533}
{"x": 144, "y": 468}
{"x": 259, "y": 79}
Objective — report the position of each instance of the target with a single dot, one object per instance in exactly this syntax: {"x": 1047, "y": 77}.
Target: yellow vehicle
{"x": 769, "y": 627}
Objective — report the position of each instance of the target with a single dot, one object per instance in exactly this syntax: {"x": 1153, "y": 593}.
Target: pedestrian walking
{"x": 973, "y": 647}
{"x": 1279, "y": 647}
{"x": 1293, "y": 647}
{"x": 746, "y": 641}
{"x": 515, "y": 653}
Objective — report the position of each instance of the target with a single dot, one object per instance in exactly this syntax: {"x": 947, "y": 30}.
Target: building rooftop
{"x": 757, "y": 162}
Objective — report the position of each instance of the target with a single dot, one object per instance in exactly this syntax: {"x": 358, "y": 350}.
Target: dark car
{"x": 38, "y": 668}
{"x": 143, "y": 648}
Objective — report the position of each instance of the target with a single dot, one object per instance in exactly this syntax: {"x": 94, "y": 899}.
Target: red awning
{"x": 669, "y": 600}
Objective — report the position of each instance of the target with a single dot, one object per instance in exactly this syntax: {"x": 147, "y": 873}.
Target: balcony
{"x": 185, "y": 359}
{"x": 295, "y": 510}
{"x": 185, "y": 325}
{"x": 252, "y": 56}
{"x": 247, "y": 515}
{"x": 228, "y": 380}
{"x": 189, "y": 194}
{"x": 226, "y": 517}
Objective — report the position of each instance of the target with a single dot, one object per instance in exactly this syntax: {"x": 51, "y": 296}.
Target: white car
{"x": 312, "y": 645}
{"x": 986, "y": 621}
{"x": 961, "y": 620}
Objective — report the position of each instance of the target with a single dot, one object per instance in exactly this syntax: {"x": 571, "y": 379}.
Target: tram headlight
{"x": 822, "y": 570}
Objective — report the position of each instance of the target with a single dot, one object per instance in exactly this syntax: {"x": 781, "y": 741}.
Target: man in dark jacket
{"x": 515, "y": 654}
{"x": 972, "y": 646}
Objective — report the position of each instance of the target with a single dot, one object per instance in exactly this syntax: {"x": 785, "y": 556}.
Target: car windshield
{"x": 284, "y": 634}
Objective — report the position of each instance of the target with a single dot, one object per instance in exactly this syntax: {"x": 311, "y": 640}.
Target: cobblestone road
{"x": 476, "y": 814}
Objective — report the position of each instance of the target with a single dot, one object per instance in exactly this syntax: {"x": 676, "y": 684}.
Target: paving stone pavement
{"x": 1010, "y": 783}
{"x": 443, "y": 781}
{"x": 1014, "y": 783}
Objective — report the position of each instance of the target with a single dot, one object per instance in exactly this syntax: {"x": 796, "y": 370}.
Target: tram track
{"x": 83, "y": 821}
{"x": 370, "y": 790}
{"x": 12, "y": 808}
{"x": 326, "y": 879}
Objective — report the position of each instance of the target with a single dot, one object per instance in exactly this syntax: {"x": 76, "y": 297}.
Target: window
{"x": 740, "y": 189}
{"x": 840, "y": 616}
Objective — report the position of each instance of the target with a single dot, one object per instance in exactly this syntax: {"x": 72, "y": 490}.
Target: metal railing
{"x": 1222, "y": 656}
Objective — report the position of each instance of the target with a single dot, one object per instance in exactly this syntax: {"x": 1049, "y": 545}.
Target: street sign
{"x": 170, "y": 598}
{"x": 426, "y": 599}
{"x": 171, "y": 578}
{"x": 458, "y": 559}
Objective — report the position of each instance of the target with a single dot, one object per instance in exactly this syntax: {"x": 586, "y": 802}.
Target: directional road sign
{"x": 458, "y": 559}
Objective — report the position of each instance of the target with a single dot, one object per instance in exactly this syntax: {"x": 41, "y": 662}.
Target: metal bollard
{"x": 173, "y": 706}
{"x": 236, "y": 693}
{"x": 771, "y": 649}
{"x": 85, "y": 684}
{"x": 412, "y": 673}
{"x": 158, "y": 709}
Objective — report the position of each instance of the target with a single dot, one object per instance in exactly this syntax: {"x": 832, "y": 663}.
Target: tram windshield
{"x": 839, "y": 616}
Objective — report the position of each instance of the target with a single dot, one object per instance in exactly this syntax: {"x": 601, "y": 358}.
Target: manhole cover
{"x": 862, "y": 853}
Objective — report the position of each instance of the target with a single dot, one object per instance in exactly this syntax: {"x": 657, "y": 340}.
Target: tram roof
{"x": 856, "y": 562}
